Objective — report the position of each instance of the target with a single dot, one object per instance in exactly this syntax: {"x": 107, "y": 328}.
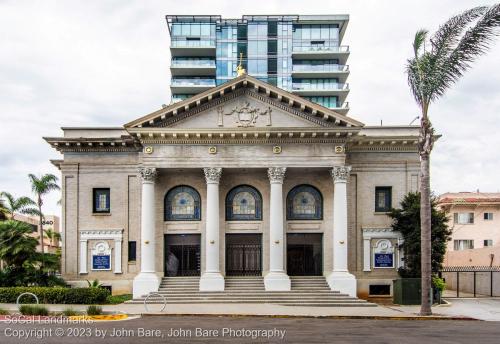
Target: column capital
{"x": 276, "y": 174}
{"x": 148, "y": 174}
{"x": 212, "y": 174}
{"x": 340, "y": 173}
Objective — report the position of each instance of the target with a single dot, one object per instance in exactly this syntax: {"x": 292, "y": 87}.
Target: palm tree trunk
{"x": 41, "y": 227}
{"x": 425, "y": 148}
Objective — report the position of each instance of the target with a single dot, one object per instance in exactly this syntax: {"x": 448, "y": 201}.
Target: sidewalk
{"x": 385, "y": 312}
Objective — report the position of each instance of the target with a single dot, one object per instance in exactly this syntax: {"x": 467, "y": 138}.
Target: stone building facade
{"x": 243, "y": 179}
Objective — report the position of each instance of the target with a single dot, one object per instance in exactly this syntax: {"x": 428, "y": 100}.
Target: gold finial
{"x": 240, "y": 70}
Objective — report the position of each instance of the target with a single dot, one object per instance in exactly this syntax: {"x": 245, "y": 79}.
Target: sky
{"x": 105, "y": 63}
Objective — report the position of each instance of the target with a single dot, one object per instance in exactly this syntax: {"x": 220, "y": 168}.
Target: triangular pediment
{"x": 243, "y": 103}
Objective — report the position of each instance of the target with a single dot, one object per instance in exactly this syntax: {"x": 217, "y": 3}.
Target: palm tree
{"x": 3, "y": 210}
{"x": 52, "y": 235}
{"x": 437, "y": 64}
{"x": 22, "y": 205}
{"x": 40, "y": 187}
{"x": 17, "y": 246}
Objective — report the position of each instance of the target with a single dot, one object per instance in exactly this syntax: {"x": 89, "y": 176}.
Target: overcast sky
{"x": 104, "y": 63}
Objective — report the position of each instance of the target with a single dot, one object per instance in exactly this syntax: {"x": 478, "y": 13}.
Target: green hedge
{"x": 84, "y": 296}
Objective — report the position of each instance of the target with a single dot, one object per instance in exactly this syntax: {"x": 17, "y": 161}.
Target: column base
{"x": 144, "y": 283}
{"x": 212, "y": 281}
{"x": 277, "y": 281}
{"x": 343, "y": 282}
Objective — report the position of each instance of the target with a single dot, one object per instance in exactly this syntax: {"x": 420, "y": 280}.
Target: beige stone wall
{"x": 118, "y": 171}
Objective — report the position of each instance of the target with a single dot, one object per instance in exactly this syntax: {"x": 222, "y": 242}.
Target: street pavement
{"x": 220, "y": 329}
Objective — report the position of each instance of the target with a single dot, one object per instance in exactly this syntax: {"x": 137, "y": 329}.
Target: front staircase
{"x": 310, "y": 291}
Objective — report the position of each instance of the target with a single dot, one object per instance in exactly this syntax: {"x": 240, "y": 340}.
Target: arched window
{"x": 244, "y": 202}
{"x": 182, "y": 203}
{"x": 304, "y": 202}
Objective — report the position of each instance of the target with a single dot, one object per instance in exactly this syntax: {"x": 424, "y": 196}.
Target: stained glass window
{"x": 304, "y": 202}
{"x": 243, "y": 203}
{"x": 182, "y": 203}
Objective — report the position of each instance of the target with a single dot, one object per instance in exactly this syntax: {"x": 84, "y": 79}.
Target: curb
{"x": 340, "y": 317}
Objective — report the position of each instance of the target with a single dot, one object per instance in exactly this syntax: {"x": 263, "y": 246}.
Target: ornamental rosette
{"x": 340, "y": 173}
{"x": 276, "y": 174}
{"x": 212, "y": 174}
{"x": 148, "y": 174}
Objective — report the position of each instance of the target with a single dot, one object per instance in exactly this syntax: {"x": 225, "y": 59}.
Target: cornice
{"x": 99, "y": 144}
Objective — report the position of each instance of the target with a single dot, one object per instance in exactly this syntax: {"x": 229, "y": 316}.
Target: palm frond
{"x": 419, "y": 41}
{"x": 448, "y": 34}
{"x": 474, "y": 43}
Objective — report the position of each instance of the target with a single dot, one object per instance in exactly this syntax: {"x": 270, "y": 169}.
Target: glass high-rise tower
{"x": 298, "y": 53}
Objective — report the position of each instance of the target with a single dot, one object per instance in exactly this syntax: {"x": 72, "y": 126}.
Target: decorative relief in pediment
{"x": 244, "y": 114}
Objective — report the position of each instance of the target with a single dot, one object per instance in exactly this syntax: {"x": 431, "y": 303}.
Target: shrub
{"x": 3, "y": 311}
{"x": 94, "y": 310}
{"x": 56, "y": 295}
{"x": 438, "y": 283}
{"x": 69, "y": 312}
{"x": 33, "y": 310}
{"x": 116, "y": 299}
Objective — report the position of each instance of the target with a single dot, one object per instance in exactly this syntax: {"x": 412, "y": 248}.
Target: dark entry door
{"x": 304, "y": 254}
{"x": 182, "y": 254}
{"x": 243, "y": 254}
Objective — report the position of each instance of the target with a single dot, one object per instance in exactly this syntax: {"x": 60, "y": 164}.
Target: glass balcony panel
{"x": 192, "y": 43}
{"x": 193, "y": 82}
{"x": 320, "y": 68}
{"x": 193, "y": 63}
{"x": 319, "y": 46}
{"x": 319, "y": 86}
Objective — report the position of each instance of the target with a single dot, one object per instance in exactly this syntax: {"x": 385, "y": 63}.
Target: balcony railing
{"x": 193, "y": 82}
{"x": 192, "y": 43}
{"x": 320, "y": 68}
{"x": 301, "y": 86}
{"x": 319, "y": 46}
{"x": 193, "y": 63}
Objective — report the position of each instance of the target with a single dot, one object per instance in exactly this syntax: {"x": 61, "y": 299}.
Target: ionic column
{"x": 276, "y": 278}
{"x": 340, "y": 279}
{"x": 147, "y": 280}
{"x": 212, "y": 279}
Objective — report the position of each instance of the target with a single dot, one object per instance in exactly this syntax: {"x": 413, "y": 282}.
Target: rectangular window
{"x": 488, "y": 216}
{"x": 383, "y": 198}
{"x": 132, "y": 251}
{"x": 463, "y": 218}
{"x": 488, "y": 243}
{"x": 459, "y": 245}
{"x": 101, "y": 200}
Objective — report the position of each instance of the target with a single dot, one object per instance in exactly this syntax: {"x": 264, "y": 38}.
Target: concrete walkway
{"x": 253, "y": 309}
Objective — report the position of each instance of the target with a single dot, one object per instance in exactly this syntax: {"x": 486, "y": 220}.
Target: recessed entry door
{"x": 182, "y": 255}
{"x": 243, "y": 254}
{"x": 304, "y": 254}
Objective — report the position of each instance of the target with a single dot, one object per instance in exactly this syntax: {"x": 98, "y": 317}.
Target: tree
{"x": 406, "y": 220}
{"x": 21, "y": 205}
{"x": 40, "y": 187}
{"x": 17, "y": 246}
{"x": 438, "y": 63}
{"x": 3, "y": 210}
{"x": 52, "y": 235}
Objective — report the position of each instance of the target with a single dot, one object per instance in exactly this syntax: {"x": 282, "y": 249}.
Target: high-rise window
{"x": 488, "y": 243}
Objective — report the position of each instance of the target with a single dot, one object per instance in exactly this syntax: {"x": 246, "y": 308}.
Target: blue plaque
{"x": 384, "y": 260}
{"x": 101, "y": 262}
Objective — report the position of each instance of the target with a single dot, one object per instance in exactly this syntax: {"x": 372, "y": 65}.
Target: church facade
{"x": 244, "y": 179}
